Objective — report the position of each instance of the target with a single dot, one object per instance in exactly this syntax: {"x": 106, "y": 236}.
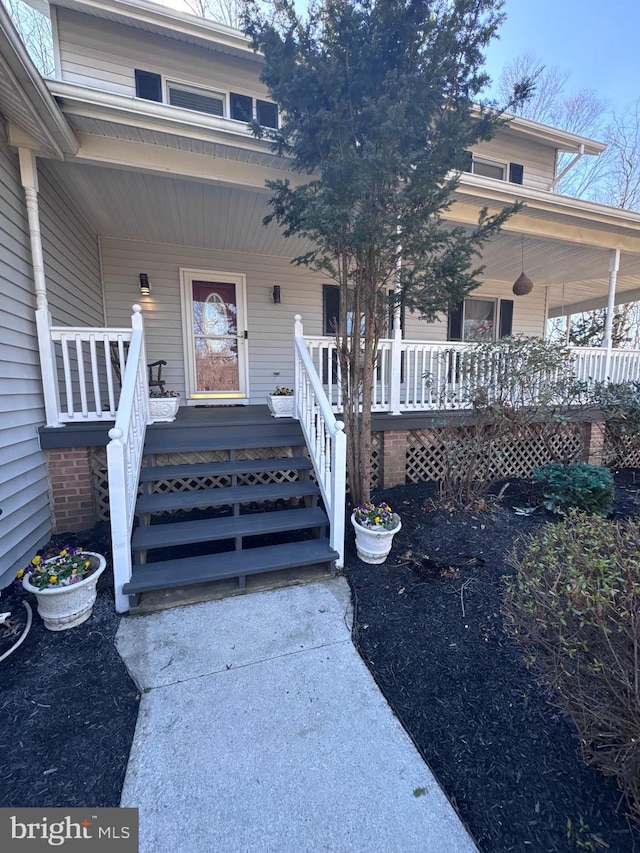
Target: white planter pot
{"x": 65, "y": 607}
{"x": 163, "y": 409}
{"x": 281, "y": 406}
{"x": 373, "y": 545}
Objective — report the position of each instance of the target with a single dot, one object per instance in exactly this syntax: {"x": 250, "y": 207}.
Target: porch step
{"x": 170, "y": 574}
{"x": 184, "y": 439}
{"x": 229, "y": 527}
{"x": 167, "y": 501}
{"x": 217, "y": 469}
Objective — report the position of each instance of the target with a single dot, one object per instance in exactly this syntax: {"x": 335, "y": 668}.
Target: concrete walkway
{"x": 262, "y": 731}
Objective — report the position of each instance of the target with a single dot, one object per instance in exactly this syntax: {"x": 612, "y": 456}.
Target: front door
{"x": 216, "y": 335}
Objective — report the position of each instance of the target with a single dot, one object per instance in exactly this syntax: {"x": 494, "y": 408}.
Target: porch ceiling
{"x": 150, "y": 207}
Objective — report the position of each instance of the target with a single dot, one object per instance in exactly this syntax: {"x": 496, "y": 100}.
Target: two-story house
{"x": 132, "y": 177}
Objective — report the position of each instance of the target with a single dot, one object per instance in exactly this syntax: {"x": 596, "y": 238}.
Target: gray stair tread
{"x": 192, "y": 570}
{"x": 215, "y": 469}
{"x": 191, "y": 439}
{"x": 210, "y": 529}
{"x": 223, "y": 496}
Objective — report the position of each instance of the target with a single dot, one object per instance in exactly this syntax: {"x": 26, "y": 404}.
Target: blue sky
{"x": 597, "y": 41}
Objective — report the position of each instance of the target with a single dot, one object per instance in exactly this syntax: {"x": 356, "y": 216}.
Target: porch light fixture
{"x": 145, "y": 287}
{"x": 275, "y": 294}
{"x": 523, "y": 283}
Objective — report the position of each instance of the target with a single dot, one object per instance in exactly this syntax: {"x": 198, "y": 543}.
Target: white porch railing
{"x": 325, "y": 439}
{"x": 124, "y": 456}
{"x": 424, "y": 376}
{"x": 88, "y": 386}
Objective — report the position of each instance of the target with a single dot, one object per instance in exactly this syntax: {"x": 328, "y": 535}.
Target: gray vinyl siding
{"x": 25, "y": 522}
{"x": 103, "y": 55}
{"x": 508, "y": 147}
{"x": 71, "y": 257}
{"x": 270, "y": 326}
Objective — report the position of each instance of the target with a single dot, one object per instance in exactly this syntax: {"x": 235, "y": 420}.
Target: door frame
{"x": 193, "y": 397}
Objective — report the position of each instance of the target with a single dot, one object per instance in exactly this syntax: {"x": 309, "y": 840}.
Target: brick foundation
{"x": 393, "y": 458}
{"x": 72, "y": 489}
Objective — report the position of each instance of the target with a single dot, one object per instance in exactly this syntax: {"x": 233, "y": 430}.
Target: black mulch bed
{"x": 67, "y": 704}
{"x": 428, "y": 625}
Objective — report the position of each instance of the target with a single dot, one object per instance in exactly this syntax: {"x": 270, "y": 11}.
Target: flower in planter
{"x": 68, "y": 567}
{"x": 282, "y": 391}
{"x": 376, "y": 516}
{"x": 163, "y": 394}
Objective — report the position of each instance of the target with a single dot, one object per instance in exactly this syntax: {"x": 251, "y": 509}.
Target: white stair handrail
{"x": 124, "y": 456}
{"x": 325, "y": 439}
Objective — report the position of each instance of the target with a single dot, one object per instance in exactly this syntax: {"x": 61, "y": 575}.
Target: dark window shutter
{"x": 455, "y": 323}
{"x": 148, "y": 85}
{"x": 267, "y": 114}
{"x": 330, "y": 308}
{"x": 506, "y": 317}
{"x": 468, "y": 162}
{"x": 516, "y": 173}
{"x": 241, "y": 107}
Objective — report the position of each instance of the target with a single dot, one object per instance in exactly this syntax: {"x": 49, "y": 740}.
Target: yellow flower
{"x": 20, "y": 573}
{"x": 74, "y": 572}
{"x": 36, "y": 560}
{"x": 376, "y": 520}
{"x": 87, "y": 564}
{"x": 53, "y": 578}
{"x": 64, "y": 553}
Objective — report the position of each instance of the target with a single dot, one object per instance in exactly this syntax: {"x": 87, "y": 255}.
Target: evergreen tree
{"x": 378, "y": 102}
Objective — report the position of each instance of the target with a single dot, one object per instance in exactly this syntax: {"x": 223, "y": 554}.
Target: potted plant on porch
{"x": 375, "y": 526}
{"x": 281, "y": 402}
{"x": 163, "y": 405}
{"x": 64, "y": 586}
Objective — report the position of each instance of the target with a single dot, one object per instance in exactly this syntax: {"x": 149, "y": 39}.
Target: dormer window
{"x": 193, "y": 98}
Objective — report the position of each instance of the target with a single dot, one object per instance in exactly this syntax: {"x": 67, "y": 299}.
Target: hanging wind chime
{"x": 523, "y": 283}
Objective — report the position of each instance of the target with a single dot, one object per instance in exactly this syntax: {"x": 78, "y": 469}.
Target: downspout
{"x": 614, "y": 266}
{"x": 29, "y": 179}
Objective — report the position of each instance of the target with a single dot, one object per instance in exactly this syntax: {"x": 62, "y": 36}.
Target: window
{"x": 514, "y": 173}
{"x": 488, "y": 169}
{"x": 267, "y": 114}
{"x": 199, "y": 100}
{"x": 241, "y": 107}
{"x": 148, "y": 85}
{"x": 481, "y": 320}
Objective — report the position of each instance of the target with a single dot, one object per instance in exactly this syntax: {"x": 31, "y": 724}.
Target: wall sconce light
{"x": 275, "y": 294}
{"x": 145, "y": 287}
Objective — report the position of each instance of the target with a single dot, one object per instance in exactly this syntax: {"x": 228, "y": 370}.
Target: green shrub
{"x": 576, "y": 486}
{"x": 575, "y": 605}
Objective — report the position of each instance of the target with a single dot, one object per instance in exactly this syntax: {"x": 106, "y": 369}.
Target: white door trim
{"x": 187, "y": 276}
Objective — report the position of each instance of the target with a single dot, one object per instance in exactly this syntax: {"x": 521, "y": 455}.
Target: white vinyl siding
{"x": 25, "y": 522}
{"x": 538, "y": 159}
{"x": 71, "y": 257}
{"x": 104, "y": 55}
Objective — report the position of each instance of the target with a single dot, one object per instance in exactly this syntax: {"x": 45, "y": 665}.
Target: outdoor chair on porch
{"x": 154, "y": 369}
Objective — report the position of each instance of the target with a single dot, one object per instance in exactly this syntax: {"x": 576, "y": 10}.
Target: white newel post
{"x": 29, "y": 179}
{"x": 118, "y": 504}
{"x": 614, "y": 266}
{"x": 339, "y": 488}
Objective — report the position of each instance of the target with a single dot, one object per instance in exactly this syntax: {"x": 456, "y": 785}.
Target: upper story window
{"x": 512, "y": 172}
{"x": 226, "y": 105}
{"x": 198, "y": 100}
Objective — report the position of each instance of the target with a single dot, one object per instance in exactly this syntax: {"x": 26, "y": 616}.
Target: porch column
{"x": 396, "y": 344}
{"x": 614, "y": 266}
{"x": 29, "y": 179}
